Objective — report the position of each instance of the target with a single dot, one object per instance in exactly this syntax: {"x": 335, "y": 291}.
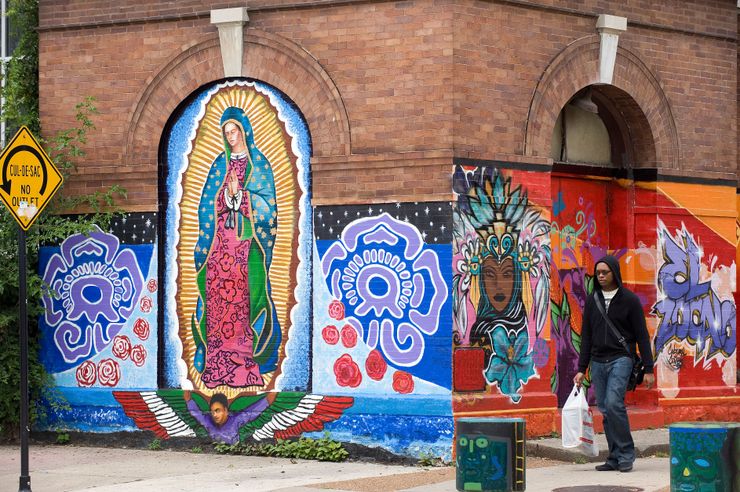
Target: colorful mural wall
{"x": 580, "y": 236}
{"x": 501, "y": 284}
{"x": 242, "y": 312}
{"x": 235, "y": 191}
{"x": 236, "y": 267}
{"x": 96, "y": 331}
{"x": 676, "y": 253}
{"x": 99, "y": 330}
{"x": 381, "y": 329}
{"x": 695, "y": 312}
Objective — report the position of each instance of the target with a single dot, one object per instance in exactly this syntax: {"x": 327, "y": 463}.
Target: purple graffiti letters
{"x": 95, "y": 287}
{"x": 691, "y": 310}
{"x": 679, "y": 276}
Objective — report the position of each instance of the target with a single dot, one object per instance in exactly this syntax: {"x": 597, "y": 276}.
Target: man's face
{"x": 605, "y": 276}
{"x": 219, "y": 414}
{"x": 233, "y": 135}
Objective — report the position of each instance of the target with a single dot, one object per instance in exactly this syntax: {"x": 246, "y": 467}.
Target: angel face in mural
{"x": 219, "y": 407}
{"x": 237, "y": 327}
{"x": 219, "y": 422}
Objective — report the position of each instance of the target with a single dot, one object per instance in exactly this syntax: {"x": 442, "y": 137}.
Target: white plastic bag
{"x": 578, "y": 424}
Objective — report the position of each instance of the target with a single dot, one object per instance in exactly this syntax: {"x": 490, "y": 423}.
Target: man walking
{"x": 611, "y": 365}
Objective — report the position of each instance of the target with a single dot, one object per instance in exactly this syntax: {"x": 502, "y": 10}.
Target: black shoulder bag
{"x": 638, "y": 368}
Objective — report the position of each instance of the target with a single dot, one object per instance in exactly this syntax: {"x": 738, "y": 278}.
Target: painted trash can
{"x": 490, "y": 454}
{"x": 705, "y": 456}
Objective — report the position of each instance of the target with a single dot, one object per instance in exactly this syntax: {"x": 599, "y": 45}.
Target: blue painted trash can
{"x": 490, "y": 454}
{"x": 705, "y": 456}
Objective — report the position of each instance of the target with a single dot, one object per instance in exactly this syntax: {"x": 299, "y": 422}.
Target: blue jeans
{"x": 609, "y": 380}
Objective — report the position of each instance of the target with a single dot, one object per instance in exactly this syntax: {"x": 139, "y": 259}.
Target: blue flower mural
{"x": 94, "y": 289}
{"x": 392, "y": 289}
{"x": 510, "y": 365}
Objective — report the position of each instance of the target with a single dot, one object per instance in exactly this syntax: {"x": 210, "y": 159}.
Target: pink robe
{"x": 229, "y": 336}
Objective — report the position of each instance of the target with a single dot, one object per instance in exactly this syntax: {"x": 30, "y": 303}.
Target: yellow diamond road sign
{"x": 28, "y": 178}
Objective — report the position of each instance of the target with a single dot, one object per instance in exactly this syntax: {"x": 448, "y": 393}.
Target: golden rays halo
{"x": 206, "y": 146}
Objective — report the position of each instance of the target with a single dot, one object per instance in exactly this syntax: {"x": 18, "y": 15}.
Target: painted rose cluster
{"x": 347, "y": 372}
{"x": 107, "y": 372}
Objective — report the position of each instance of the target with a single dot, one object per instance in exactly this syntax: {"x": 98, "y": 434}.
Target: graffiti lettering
{"x": 691, "y": 310}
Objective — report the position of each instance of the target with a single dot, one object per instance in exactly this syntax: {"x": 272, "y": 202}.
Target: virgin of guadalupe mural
{"x": 237, "y": 242}
{"x": 238, "y": 217}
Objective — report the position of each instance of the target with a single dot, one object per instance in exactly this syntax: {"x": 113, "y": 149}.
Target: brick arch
{"x": 640, "y": 100}
{"x": 269, "y": 58}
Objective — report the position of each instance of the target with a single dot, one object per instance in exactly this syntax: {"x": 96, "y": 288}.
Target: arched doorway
{"x": 600, "y": 137}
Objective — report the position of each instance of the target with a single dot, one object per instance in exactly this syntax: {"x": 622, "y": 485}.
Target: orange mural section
{"x": 677, "y": 248}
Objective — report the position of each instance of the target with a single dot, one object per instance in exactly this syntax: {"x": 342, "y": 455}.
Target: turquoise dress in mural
{"x": 236, "y": 329}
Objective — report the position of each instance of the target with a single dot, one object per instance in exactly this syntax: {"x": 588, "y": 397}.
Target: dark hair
{"x": 219, "y": 398}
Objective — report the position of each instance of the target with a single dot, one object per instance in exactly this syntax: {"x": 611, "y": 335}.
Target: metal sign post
{"x": 28, "y": 180}
{"x": 25, "y": 479}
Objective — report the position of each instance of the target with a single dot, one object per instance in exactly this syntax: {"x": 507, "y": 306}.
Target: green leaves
{"x": 21, "y": 90}
{"x": 324, "y": 449}
{"x": 576, "y": 339}
{"x": 589, "y": 284}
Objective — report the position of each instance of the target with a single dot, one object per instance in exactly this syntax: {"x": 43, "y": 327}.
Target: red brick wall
{"x": 383, "y": 84}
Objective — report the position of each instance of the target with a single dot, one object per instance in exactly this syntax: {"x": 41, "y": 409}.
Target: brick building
{"x": 414, "y": 148}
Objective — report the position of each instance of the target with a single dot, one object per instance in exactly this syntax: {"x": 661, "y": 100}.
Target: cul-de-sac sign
{"x": 28, "y": 178}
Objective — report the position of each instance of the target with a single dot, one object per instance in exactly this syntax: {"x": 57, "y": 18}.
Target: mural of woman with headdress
{"x": 496, "y": 215}
{"x": 503, "y": 274}
{"x": 236, "y": 329}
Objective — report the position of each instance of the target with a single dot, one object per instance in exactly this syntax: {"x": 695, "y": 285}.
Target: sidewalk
{"x": 77, "y": 469}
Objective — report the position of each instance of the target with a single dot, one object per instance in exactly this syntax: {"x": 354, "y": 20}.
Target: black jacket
{"x": 625, "y": 311}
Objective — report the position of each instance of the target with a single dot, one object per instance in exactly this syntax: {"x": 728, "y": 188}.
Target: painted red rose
{"x": 138, "y": 355}
{"x": 86, "y": 374}
{"x": 336, "y": 309}
{"x": 121, "y": 347}
{"x": 375, "y": 365}
{"x": 330, "y": 334}
{"x": 347, "y": 372}
{"x": 141, "y": 328}
{"x": 151, "y": 286}
{"x": 403, "y": 382}
{"x": 145, "y": 304}
{"x": 109, "y": 372}
{"x": 349, "y": 336}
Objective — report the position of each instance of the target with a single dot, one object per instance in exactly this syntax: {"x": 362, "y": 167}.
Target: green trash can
{"x": 490, "y": 454}
{"x": 705, "y": 456}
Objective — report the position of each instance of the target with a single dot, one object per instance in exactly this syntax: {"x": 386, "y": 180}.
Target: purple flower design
{"x": 94, "y": 287}
{"x": 389, "y": 283}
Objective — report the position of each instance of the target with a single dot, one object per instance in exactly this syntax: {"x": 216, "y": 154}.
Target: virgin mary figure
{"x": 235, "y": 327}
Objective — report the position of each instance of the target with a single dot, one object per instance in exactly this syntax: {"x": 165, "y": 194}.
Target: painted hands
{"x": 233, "y": 184}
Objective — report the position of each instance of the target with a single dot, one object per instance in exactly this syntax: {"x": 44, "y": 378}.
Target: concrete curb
{"x": 538, "y": 450}
{"x": 648, "y": 442}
